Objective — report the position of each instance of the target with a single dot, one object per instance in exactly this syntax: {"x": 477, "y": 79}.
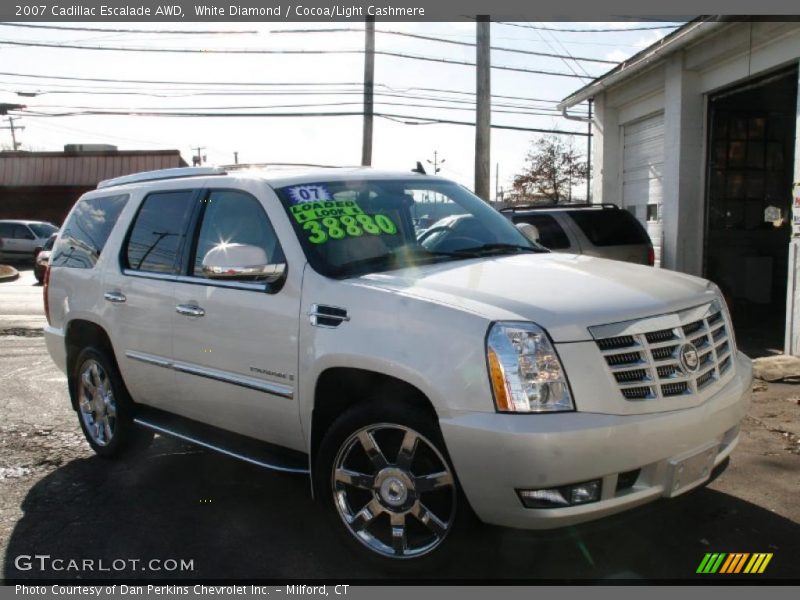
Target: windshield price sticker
{"x": 314, "y": 211}
{"x": 337, "y": 219}
{"x": 308, "y": 193}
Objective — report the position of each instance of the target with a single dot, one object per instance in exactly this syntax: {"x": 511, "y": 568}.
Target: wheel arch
{"x": 339, "y": 388}
{"x": 80, "y": 334}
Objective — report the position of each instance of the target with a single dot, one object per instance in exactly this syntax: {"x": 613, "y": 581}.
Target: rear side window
{"x": 43, "y": 230}
{"x": 86, "y": 231}
{"x": 551, "y": 235}
{"x": 157, "y": 240}
{"x": 5, "y": 230}
{"x": 608, "y": 227}
{"x": 21, "y": 232}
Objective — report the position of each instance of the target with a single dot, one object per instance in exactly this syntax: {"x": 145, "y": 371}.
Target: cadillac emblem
{"x": 690, "y": 361}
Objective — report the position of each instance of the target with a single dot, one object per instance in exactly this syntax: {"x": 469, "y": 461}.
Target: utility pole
{"x": 589, "y": 157}
{"x": 436, "y": 162}
{"x": 198, "y": 159}
{"x": 14, "y": 144}
{"x": 369, "y": 87}
{"x": 496, "y": 181}
{"x": 483, "y": 109}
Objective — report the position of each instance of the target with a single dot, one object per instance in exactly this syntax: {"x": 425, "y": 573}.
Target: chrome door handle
{"x": 115, "y": 297}
{"x": 190, "y": 310}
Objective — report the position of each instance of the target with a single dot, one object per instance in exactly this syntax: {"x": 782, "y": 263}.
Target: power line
{"x": 405, "y": 119}
{"x": 429, "y": 121}
{"x": 260, "y": 51}
{"x": 158, "y": 31}
{"x": 577, "y": 64}
{"x": 520, "y": 110}
{"x": 457, "y": 100}
{"x": 536, "y": 104}
{"x": 168, "y": 82}
{"x": 443, "y": 41}
{"x": 264, "y": 83}
{"x": 597, "y": 30}
{"x": 568, "y": 65}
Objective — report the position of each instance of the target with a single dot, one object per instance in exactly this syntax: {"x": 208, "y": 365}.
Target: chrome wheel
{"x": 96, "y": 402}
{"x": 394, "y": 490}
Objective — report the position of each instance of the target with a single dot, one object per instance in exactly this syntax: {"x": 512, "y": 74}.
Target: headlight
{"x": 524, "y": 369}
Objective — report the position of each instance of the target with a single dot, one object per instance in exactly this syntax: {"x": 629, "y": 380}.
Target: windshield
{"x": 349, "y": 228}
{"x": 42, "y": 230}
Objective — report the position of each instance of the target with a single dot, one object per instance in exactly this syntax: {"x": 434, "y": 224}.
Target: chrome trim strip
{"x": 240, "y": 285}
{"x": 653, "y": 323}
{"x": 202, "y": 444}
{"x": 149, "y": 359}
{"x": 275, "y": 389}
{"x": 149, "y": 275}
{"x": 236, "y": 285}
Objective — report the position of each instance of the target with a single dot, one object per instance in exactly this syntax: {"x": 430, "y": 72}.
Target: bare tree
{"x": 553, "y": 166}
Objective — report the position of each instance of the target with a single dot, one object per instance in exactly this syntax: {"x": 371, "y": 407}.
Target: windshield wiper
{"x": 395, "y": 259}
{"x": 496, "y": 248}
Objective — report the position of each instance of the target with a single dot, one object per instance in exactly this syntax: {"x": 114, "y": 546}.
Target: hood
{"x": 566, "y": 294}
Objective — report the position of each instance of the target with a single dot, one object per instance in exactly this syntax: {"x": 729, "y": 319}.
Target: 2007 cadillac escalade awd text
{"x": 299, "y": 321}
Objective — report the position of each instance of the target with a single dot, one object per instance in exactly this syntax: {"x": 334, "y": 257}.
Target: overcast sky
{"x": 329, "y": 140}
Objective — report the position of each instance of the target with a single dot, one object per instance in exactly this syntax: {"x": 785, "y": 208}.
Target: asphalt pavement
{"x": 21, "y": 302}
{"x": 231, "y": 520}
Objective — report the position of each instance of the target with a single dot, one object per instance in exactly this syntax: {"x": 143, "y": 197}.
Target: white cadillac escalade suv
{"x": 300, "y": 321}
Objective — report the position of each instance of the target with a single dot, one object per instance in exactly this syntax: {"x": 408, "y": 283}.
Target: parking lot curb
{"x": 8, "y": 273}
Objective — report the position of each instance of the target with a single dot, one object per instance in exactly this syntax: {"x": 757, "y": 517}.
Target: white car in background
{"x": 21, "y": 241}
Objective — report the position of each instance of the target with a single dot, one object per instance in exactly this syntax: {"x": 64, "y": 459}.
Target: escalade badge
{"x": 690, "y": 361}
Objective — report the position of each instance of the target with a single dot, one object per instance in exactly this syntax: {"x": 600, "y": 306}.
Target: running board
{"x": 247, "y": 449}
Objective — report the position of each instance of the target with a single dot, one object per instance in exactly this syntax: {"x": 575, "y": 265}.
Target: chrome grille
{"x": 647, "y": 365}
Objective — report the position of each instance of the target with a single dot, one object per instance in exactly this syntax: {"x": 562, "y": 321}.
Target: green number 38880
{"x": 337, "y": 228}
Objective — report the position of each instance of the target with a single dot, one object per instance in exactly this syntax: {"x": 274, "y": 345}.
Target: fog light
{"x": 585, "y": 492}
{"x": 543, "y": 498}
{"x": 560, "y": 497}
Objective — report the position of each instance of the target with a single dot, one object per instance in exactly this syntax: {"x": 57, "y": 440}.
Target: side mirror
{"x": 529, "y": 231}
{"x": 241, "y": 262}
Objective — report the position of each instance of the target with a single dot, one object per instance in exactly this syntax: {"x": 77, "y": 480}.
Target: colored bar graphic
{"x": 703, "y": 563}
{"x": 711, "y": 562}
{"x": 758, "y": 563}
{"x": 727, "y": 564}
{"x": 730, "y": 564}
{"x": 734, "y": 562}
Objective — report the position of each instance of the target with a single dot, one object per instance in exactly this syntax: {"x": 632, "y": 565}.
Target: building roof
{"x": 80, "y": 168}
{"x": 667, "y": 45}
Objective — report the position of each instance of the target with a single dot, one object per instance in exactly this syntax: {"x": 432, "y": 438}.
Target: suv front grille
{"x": 648, "y": 365}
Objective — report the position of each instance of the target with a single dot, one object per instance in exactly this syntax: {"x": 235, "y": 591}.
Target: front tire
{"x": 105, "y": 410}
{"x": 383, "y": 472}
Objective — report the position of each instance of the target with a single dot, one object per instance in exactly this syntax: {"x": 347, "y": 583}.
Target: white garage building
{"x": 696, "y": 136}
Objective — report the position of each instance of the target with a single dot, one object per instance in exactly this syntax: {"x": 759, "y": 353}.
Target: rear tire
{"x": 383, "y": 474}
{"x": 105, "y": 410}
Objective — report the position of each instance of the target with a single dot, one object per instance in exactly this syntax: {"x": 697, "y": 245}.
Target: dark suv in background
{"x": 601, "y": 230}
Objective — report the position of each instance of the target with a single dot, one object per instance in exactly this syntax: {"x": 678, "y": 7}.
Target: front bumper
{"x": 495, "y": 454}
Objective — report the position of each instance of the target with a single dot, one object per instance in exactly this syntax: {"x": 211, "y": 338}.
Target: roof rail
{"x": 161, "y": 174}
{"x": 242, "y": 166}
{"x": 607, "y": 205}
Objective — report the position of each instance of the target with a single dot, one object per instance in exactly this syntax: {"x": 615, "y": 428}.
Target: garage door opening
{"x": 749, "y": 192}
